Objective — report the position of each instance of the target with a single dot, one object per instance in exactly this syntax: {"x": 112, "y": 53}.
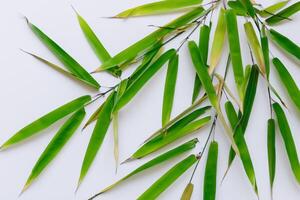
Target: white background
{"x": 30, "y": 89}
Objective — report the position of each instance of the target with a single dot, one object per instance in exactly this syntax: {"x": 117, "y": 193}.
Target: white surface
{"x": 29, "y": 89}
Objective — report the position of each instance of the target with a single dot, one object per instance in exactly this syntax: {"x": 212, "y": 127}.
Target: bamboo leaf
{"x": 210, "y": 177}
{"x": 188, "y": 191}
{"x": 235, "y": 51}
{"x": 265, "y": 48}
{"x": 169, "y": 90}
{"x": 237, "y": 7}
{"x": 59, "y": 69}
{"x": 46, "y": 121}
{"x": 159, "y": 7}
{"x": 204, "y": 48}
{"x": 172, "y": 135}
{"x": 285, "y": 43}
{"x": 93, "y": 117}
{"x": 288, "y": 140}
{"x": 156, "y": 161}
{"x": 168, "y": 178}
{"x": 218, "y": 42}
{"x": 284, "y": 14}
{"x": 271, "y": 151}
{"x": 55, "y": 146}
{"x": 203, "y": 74}
{"x": 102, "y": 125}
{"x": 242, "y": 145}
{"x": 271, "y": 10}
{"x": 248, "y": 6}
{"x": 288, "y": 82}
{"x": 96, "y": 44}
{"x": 255, "y": 46}
{"x": 143, "y": 79}
{"x": 144, "y": 44}
{"x": 72, "y": 65}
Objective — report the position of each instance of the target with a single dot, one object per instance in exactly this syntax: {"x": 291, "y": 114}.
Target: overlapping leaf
{"x": 284, "y": 14}
{"x": 46, "y": 121}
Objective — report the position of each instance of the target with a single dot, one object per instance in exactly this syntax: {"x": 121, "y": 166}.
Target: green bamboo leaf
{"x": 143, "y": 79}
{"x": 203, "y": 74}
{"x": 55, "y": 146}
{"x": 93, "y": 117}
{"x": 288, "y": 140}
{"x": 247, "y": 76}
{"x": 46, "y": 121}
{"x": 284, "y": 14}
{"x": 144, "y": 44}
{"x": 168, "y": 178}
{"x": 249, "y": 7}
{"x": 59, "y": 69}
{"x": 210, "y": 177}
{"x": 159, "y": 7}
{"x": 285, "y": 43}
{"x": 237, "y": 7}
{"x": 100, "y": 130}
{"x": 255, "y": 46}
{"x": 218, "y": 41}
{"x": 156, "y": 161}
{"x": 96, "y": 44}
{"x": 265, "y": 48}
{"x": 271, "y": 151}
{"x": 235, "y": 51}
{"x": 172, "y": 135}
{"x": 169, "y": 90}
{"x": 204, "y": 48}
{"x": 288, "y": 82}
{"x": 72, "y": 65}
{"x": 271, "y": 10}
{"x": 242, "y": 146}
{"x": 188, "y": 191}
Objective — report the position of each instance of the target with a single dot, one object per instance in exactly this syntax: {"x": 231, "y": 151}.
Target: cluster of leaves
{"x": 211, "y": 85}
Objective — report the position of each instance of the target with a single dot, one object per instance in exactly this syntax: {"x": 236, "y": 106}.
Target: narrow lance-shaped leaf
{"x": 134, "y": 88}
{"x": 284, "y": 14}
{"x": 121, "y": 89}
{"x": 148, "y": 41}
{"x": 237, "y": 7}
{"x": 210, "y": 177}
{"x": 98, "y": 135}
{"x": 288, "y": 140}
{"x": 46, "y": 121}
{"x": 188, "y": 191}
{"x": 218, "y": 42}
{"x": 209, "y": 89}
{"x": 96, "y": 44}
{"x": 170, "y": 136}
{"x": 59, "y": 69}
{"x": 265, "y": 48}
{"x": 168, "y": 178}
{"x": 248, "y": 105}
{"x": 204, "y": 48}
{"x": 235, "y": 51}
{"x": 56, "y": 145}
{"x": 70, "y": 63}
{"x": 156, "y": 161}
{"x": 169, "y": 91}
{"x": 271, "y": 10}
{"x": 159, "y": 7}
{"x": 255, "y": 46}
{"x": 288, "y": 82}
{"x": 285, "y": 43}
{"x": 242, "y": 145}
{"x": 248, "y": 5}
{"x": 271, "y": 151}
